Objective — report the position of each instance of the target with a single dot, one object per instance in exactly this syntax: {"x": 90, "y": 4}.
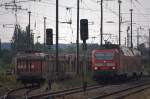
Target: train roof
{"x": 104, "y": 50}
{"x": 125, "y": 50}
{"x": 31, "y": 56}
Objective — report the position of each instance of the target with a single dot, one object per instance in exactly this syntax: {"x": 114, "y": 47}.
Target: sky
{"x": 89, "y": 9}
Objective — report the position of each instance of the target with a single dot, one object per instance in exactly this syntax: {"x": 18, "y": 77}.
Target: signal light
{"x": 84, "y": 29}
{"x": 49, "y": 36}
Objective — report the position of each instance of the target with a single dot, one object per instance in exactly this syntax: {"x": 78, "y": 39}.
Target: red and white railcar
{"x": 116, "y": 62}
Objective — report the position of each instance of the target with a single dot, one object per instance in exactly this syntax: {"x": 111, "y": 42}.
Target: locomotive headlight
{"x": 95, "y": 68}
{"x": 113, "y": 67}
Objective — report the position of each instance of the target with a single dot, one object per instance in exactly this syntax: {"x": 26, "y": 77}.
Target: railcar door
{"x": 36, "y": 66}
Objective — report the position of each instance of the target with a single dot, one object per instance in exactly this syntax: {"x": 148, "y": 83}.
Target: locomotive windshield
{"x": 104, "y": 56}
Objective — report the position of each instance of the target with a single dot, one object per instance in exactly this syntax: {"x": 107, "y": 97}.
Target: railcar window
{"x": 127, "y": 51}
{"x": 104, "y": 56}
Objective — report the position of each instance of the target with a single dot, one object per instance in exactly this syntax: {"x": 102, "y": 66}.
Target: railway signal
{"x": 44, "y": 29}
{"x": 131, "y": 10}
{"x": 84, "y": 37}
{"x": 84, "y": 29}
{"x": 49, "y": 36}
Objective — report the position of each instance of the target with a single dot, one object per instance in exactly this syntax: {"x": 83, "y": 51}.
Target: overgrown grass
{"x": 72, "y": 82}
{"x": 7, "y": 82}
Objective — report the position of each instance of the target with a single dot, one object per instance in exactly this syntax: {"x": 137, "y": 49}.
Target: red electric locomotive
{"x": 116, "y": 62}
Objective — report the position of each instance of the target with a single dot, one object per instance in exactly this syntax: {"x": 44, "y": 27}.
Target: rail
{"x": 64, "y": 92}
{"x": 121, "y": 93}
{"x": 11, "y": 91}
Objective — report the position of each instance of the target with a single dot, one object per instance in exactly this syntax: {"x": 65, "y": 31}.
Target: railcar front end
{"x": 29, "y": 68}
{"x": 103, "y": 64}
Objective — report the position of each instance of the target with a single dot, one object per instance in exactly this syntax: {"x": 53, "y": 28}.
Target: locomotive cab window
{"x": 104, "y": 56}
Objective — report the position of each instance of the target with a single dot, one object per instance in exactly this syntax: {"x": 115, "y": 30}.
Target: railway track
{"x": 29, "y": 91}
{"x": 115, "y": 91}
{"x": 9, "y": 95}
{"x": 18, "y": 93}
{"x": 64, "y": 92}
{"x": 124, "y": 92}
{"x": 98, "y": 91}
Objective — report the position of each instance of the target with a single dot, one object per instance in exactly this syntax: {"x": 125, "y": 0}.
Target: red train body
{"x": 37, "y": 67}
{"x": 29, "y": 67}
{"x": 116, "y": 62}
{"x": 104, "y": 63}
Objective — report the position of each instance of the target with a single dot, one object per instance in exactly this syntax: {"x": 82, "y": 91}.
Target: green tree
{"x": 22, "y": 40}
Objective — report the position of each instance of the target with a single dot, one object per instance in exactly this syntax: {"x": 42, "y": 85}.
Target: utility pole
{"x": 101, "y": 22}
{"x": 125, "y": 41}
{"x": 16, "y": 11}
{"x": 128, "y": 36}
{"x": 138, "y": 36}
{"x": 101, "y": 29}
{"x": 78, "y": 5}
{"x": 131, "y": 10}
{"x": 57, "y": 25}
{"x": 119, "y": 1}
{"x": 29, "y": 34}
{"x": 13, "y": 6}
{"x": 44, "y": 31}
{"x": 149, "y": 47}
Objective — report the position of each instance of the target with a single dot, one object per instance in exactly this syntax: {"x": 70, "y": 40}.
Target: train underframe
{"x": 111, "y": 76}
{"x": 34, "y": 80}
{"x": 40, "y": 79}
